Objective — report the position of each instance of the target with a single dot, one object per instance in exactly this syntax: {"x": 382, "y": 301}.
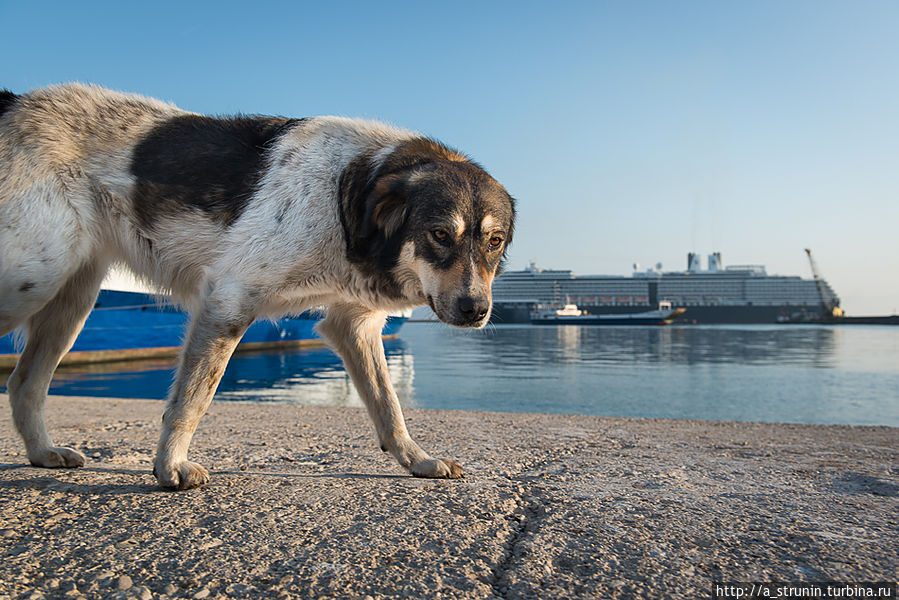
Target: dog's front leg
{"x": 355, "y": 333}
{"x": 213, "y": 334}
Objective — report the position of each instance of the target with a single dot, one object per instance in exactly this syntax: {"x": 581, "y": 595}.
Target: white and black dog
{"x": 235, "y": 218}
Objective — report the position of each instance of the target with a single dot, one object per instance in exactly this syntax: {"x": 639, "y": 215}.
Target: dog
{"x": 235, "y": 218}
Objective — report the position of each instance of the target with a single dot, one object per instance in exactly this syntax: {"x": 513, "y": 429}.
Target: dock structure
{"x": 303, "y": 505}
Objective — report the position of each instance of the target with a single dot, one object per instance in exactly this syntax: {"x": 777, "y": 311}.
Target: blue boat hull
{"x": 131, "y": 325}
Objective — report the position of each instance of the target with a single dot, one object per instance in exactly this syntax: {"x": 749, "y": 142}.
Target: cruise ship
{"x": 717, "y": 294}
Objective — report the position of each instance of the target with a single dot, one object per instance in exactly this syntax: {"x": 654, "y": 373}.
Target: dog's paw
{"x": 57, "y": 457}
{"x": 182, "y": 476}
{"x": 437, "y": 469}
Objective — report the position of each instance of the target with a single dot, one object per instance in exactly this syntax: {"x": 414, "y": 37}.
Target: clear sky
{"x": 627, "y": 131}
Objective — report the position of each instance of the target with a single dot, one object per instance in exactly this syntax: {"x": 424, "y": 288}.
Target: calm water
{"x": 803, "y": 374}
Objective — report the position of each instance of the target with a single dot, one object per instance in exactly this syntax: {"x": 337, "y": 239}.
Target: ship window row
{"x": 693, "y": 290}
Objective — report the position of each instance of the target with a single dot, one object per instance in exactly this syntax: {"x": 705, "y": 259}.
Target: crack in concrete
{"x": 528, "y": 514}
{"x": 527, "y": 521}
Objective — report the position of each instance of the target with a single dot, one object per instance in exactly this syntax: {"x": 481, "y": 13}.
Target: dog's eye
{"x": 495, "y": 242}
{"x": 440, "y": 235}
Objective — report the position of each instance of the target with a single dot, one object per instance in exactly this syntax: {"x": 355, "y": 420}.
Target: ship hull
{"x": 131, "y": 325}
{"x": 512, "y": 313}
{"x": 651, "y": 317}
{"x": 624, "y": 320}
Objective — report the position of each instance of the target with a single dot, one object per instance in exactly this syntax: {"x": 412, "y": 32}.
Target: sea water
{"x": 789, "y": 373}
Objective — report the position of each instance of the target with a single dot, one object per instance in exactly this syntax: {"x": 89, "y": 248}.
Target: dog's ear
{"x": 385, "y": 207}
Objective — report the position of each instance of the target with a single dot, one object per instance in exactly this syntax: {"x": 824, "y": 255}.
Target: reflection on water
{"x": 751, "y": 373}
{"x": 311, "y": 377}
{"x": 308, "y": 376}
{"x": 801, "y": 374}
{"x": 672, "y": 345}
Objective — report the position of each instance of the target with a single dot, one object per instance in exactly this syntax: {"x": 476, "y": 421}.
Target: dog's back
{"x": 92, "y": 175}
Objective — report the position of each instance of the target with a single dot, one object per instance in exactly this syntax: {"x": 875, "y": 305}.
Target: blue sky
{"x": 628, "y": 131}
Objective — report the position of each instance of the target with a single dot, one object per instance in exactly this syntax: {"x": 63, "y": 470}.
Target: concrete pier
{"x": 302, "y": 504}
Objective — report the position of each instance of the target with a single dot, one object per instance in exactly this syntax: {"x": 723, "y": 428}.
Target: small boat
{"x": 570, "y": 314}
{"x": 129, "y": 325}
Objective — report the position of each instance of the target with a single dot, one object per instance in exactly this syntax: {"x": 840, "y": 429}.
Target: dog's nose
{"x": 473, "y": 309}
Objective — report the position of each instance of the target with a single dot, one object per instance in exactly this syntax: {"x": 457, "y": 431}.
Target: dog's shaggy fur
{"x": 235, "y": 218}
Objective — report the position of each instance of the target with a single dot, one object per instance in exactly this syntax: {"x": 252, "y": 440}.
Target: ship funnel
{"x": 715, "y": 262}
{"x": 693, "y": 262}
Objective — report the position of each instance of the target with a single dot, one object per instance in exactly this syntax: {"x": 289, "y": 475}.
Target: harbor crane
{"x": 829, "y": 306}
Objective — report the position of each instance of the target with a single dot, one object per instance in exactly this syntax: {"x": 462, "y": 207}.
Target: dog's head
{"x": 435, "y": 222}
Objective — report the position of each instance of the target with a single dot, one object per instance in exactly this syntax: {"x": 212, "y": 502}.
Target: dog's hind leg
{"x": 212, "y": 336}
{"x": 355, "y": 333}
{"x": 51, "y": 332}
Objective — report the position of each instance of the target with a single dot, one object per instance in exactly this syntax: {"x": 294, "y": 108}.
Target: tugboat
{"x": 570, "y": 314}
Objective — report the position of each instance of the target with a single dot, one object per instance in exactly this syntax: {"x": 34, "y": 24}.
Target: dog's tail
{"x": 7, "y": 99}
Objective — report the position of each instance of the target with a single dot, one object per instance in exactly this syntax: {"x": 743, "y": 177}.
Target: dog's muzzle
{"x": 472, "y": 310}
{"x": 466, "y": 311}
